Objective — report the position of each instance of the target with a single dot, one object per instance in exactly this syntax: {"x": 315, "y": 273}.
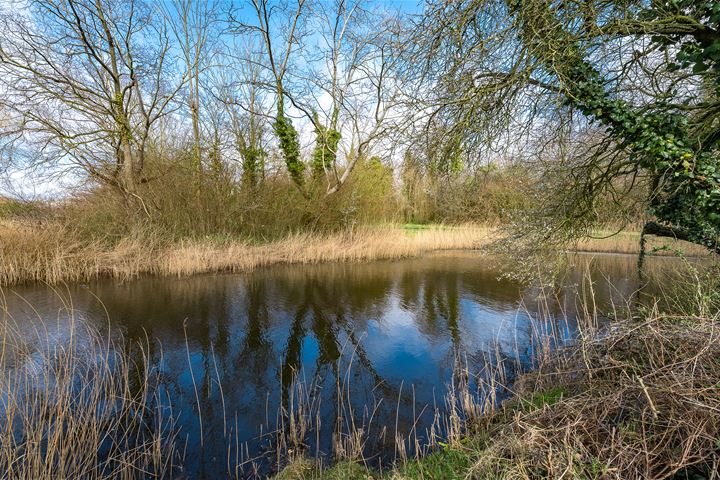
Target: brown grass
{"x": 48, "y": 255}
{"x": 641, "y": 402}
{"x": 629, "y": 242}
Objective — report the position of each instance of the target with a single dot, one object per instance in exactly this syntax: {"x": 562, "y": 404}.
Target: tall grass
{"x": 50, "y": 255}
{"x": 74, "y": 405}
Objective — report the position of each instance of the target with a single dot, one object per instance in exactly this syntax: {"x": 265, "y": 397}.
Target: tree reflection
{"x": 364, "y": 331}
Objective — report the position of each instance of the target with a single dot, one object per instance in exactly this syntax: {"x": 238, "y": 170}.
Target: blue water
{"x": 384, "y": 334}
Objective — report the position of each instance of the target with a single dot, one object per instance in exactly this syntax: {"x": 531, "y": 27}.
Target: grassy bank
{"x": 607, "y": 241}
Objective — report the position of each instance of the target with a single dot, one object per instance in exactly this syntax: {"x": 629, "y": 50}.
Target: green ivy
{"x": 687, "y": 177}
{"x": 685, "y": 171}
{"x": 252, "y": 159}
{"x": 289, "y": 144}
{"x": 699, "y": 51}
{"x": 326, "y": 145}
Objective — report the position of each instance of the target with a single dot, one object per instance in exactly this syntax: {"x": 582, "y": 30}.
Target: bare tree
{"x": 340, "y": 83}
{"x": 365, "y": 94}
{"x": 238, "y": 86}
{"x": 289, "y": 34}
{"x": 85, "y": 82}
{"x": 192, "y": 22}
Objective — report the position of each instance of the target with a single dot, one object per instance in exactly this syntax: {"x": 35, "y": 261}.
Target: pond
{"x": 372, "y": 345}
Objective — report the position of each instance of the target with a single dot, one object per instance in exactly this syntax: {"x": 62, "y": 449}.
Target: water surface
{"x": 385, "y": 333}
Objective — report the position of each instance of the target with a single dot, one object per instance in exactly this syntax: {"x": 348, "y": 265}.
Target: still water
{"x": 384, "y": 334}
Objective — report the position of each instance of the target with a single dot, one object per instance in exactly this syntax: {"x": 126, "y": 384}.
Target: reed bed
{"x": 73, "y": 405}
{"x": 49, "y": 255}
{"x": 351, "y": 246}
{"x": 640, "y": 402}
{"x": 605, "y": 241}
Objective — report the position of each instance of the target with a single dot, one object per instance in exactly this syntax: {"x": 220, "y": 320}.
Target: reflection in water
{"x": 228, "y": 346}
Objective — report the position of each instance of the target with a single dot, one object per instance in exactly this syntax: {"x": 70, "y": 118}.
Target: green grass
{"x": 539, "y": 400}
{"x": 10, "y": 208}
{"x": 305, "y": 469}
{"x": 422, "y": 226}
{"x": 348, "y": 470}
{"x": 448, "y": 464}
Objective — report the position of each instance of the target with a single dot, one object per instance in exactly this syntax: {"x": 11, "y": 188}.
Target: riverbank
{"x": 45, "y": 255}
{"x": 628, "y": 242}
{"x": 49, "y": 254}
{"x": 639, "y": 401}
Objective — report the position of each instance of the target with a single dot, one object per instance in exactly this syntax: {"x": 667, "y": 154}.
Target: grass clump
{"x": 646, "y": 405}
{"x": 303, "y": 469}
{"x": 449, "y": 463}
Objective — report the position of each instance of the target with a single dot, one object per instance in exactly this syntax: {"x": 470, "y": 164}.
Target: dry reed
{"x": 74, "y": 406}
{"x": 640, "y": 402}
{"x": 48, "y": 255}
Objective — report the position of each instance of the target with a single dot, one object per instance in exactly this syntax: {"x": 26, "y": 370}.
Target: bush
{"x": 181, "y": 203}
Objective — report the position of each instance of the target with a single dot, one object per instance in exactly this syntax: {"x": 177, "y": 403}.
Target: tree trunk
{"x": 127, "y": 171}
